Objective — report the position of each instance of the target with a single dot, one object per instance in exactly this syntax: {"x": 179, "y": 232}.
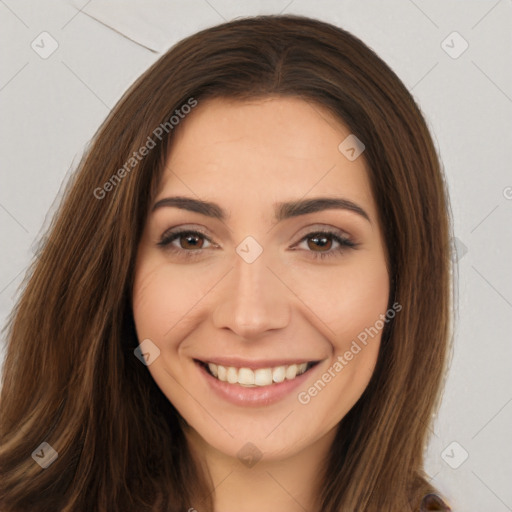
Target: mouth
{"x": 257, "y": 376}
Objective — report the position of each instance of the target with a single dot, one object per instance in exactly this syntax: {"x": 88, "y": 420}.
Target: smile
{"x": 251, "y": 382}
{"x": 257, "y": 377}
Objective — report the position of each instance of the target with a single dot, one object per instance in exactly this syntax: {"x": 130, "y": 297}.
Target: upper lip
{"x": 254, "y": 364}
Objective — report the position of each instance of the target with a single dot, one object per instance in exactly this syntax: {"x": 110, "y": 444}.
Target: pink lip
{"x": 254, "y": 364}
{"x": 254, "y": 396}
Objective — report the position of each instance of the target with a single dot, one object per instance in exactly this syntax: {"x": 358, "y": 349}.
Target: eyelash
{"x": 344, "y": 243}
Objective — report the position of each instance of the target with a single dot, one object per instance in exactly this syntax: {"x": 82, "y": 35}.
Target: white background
{"x": 51, "y": 108}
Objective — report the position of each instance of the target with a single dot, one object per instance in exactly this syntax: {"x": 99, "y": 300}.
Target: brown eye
{"x": 319, "y": 244}
{"x": 191, "y": 241}
{"x": 320, "y": 240}
{"x": 186, "y": 241}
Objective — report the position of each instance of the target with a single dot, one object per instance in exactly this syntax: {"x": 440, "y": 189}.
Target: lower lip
{"x": 253, "y": 396}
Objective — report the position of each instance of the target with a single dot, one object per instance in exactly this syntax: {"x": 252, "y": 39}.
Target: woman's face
{"x": 236, "y": 312}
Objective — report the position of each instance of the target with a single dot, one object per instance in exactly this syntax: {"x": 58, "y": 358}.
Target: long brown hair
{"x": 70, "y": 376}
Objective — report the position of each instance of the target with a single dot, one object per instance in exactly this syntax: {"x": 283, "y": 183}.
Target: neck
{"x": 289, "y": 485}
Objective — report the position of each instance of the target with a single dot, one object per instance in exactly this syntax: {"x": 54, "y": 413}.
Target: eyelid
{"x": 318, "y": 228}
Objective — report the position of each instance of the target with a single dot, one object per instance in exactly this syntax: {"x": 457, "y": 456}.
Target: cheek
{"x": 152, "y": 304}
{"x": 347, "y": 300}
{"x": 353, "y": 310}
{"x": 163, "y": 296}
{"x": 352, "y": 301}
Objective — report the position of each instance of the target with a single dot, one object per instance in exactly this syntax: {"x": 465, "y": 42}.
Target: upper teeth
{"x": 259, "y": 377}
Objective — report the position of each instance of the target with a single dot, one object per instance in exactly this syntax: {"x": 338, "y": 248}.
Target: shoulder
{"x": 431, "y": 502}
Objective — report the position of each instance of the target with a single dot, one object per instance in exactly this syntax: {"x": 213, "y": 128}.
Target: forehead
{"x": 275, "y": 149}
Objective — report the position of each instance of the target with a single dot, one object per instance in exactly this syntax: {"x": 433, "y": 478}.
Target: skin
{"x": 245, "y": 156}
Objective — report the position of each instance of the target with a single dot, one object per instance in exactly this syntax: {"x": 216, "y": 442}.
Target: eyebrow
{"x": 282, "y": 211}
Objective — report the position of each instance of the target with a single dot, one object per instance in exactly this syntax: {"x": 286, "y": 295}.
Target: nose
{"x": 253, "y": 300}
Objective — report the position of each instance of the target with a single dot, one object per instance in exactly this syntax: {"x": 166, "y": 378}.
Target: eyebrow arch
{"x": 282, "y": 211}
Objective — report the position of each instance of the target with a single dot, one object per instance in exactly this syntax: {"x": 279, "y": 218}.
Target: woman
{"x": 191, "y": 339}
